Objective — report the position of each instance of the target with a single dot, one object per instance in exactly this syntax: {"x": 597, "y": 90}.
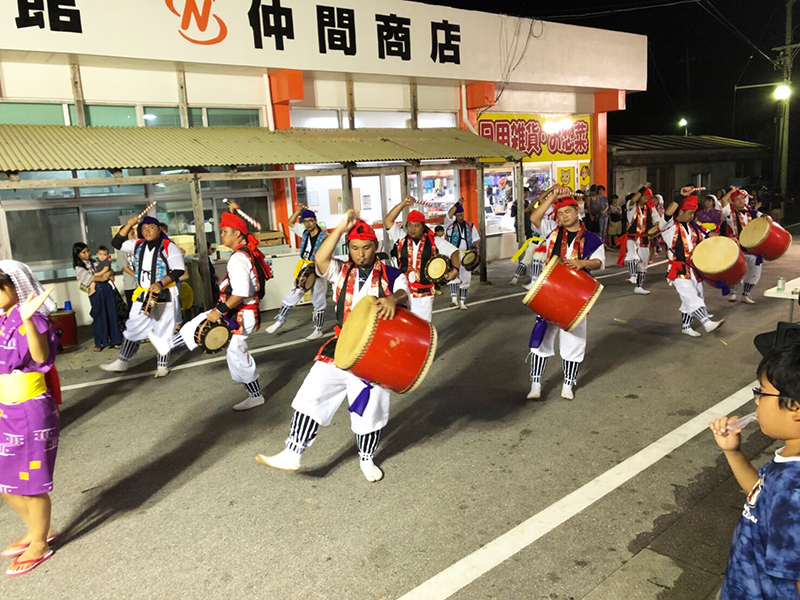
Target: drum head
{"x": 436, "y": 268}
{"x": 217, "y": 338}
{"x": 356, "y": 333}
{"x": 307, "y": 277}
{"x": 469, "y": 260}
{"x": 754, "y": 233}
{"x": 715, "y": 255}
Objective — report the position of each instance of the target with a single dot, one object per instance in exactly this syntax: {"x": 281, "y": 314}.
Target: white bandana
{"x": 25, "y": 283}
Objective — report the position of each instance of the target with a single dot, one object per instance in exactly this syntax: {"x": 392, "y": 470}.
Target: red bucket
{"x": 65, "y": 323}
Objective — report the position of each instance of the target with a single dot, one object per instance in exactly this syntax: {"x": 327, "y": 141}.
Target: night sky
{"x": 718, "y": 59}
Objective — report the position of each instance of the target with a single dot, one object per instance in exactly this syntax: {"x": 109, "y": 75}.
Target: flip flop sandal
{"x": 32, "y": 564}
{"x": 19, "y": 549}
{"x": 97, "y": 349}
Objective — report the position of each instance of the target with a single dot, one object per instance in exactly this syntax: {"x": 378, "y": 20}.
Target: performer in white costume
{"x": 464, "y": 236}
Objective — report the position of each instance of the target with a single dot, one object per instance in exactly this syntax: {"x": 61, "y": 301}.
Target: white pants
{"x": 463, "y": 280}
{"x": 422, "y": 307}
{"x": 691, "y": 293}
{"x": 325, "y": 388}
{"x": 319, "y": 295}
{"x": 161, "y": 320}
{"x": 753, "y": 271}
{"x": 241, "y": 365}
{"x": 572, "y": 346}
{"x": 636, "y": 252}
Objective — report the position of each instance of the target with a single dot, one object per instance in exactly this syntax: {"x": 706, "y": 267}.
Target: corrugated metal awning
{"x": 63, "y": 148}
{"x": 667, "y": 143}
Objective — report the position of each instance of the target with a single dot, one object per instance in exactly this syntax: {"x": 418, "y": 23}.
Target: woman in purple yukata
{"x": 29, "y": 423}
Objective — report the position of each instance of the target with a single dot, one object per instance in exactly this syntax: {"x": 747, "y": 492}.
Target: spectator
{"x": 105, "y": 326}
{"x": 593, "y": 211}
{"x": 125, "y": 264}
{"x": 614, "y": 221}
{"x": 710, "y": 213}
{"x": 603, "y": 200}
{"x": 775, "y": 205}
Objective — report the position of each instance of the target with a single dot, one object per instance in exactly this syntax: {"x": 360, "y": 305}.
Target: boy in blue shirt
{"x": 764, "y": 561}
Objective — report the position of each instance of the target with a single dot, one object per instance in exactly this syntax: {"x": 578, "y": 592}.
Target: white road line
{"x": 483, "y": 560}
{"x": 625, "y": 272}
{"x": 200, "y": 363}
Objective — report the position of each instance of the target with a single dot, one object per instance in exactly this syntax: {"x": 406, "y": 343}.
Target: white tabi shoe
{"x": 371, "y": 471}
{"x": 118, "y": 366}
{"x": 641, "y": 291}
{"x": 690, "y": 332}
{"x": 536, "y": 391}
{"x": 286, "y": 460}
{"x": 315, "y": 335}
{"x": 161, "y": 372}
{"x": 527, "y": 286}
{"x": 161, "y": 345}
{"x": 462, "y": 305}
{"x": 514, "y": 280}
{"x": 631, "y": 280}
{"x": 731, "y": 297}
{"x": 566, "y": 392}
{"x": 710, "y": 326}
{"x": 275, "y": 326}
{"x": 454, "y": 302}
{"x": 747, "y": 299}
{"x": 249, "y": 403}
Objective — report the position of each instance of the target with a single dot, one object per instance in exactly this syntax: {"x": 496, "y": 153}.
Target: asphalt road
{"x": 158, "y": 494}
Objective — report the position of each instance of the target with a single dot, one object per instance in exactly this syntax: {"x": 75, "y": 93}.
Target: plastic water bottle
{"x": 67, "y": 305}
{"x": 781, "y": 284}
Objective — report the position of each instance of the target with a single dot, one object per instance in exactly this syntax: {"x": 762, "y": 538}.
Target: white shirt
{"x": 241, "y": 277}
{"x": 337, "y": 268}
{"x": 462, "y": 244}
{"x": 727, "y": 212}
{"x": 548, "y": 229}
{"x": 173, "y": 253}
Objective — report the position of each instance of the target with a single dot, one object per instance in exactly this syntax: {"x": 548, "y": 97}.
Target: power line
{"x": 615, "y": 10}
{"x": 724, "y": 20}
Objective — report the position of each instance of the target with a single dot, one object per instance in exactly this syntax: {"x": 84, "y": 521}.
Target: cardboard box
{"x": 269, "y": 238}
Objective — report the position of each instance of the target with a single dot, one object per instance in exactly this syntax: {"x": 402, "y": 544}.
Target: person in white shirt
{"x": 311, "y": 238}
{"x": 158, "y": 264}
{"x": 464, "y": 236}
{"x": 326, "y": 386}
{"x": 412, "y": 250}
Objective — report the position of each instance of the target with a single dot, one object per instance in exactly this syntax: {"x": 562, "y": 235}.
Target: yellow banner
{"x": 542, "y": 138}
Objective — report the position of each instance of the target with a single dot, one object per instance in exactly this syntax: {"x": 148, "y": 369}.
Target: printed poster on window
{"x": 566, "y": 176}
{"x": 585, "y": 175}
{"x": 543, "y": 138}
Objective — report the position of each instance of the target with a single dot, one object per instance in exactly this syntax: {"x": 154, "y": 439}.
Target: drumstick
{"x": 246, "y": 217}
{"x": 147, "y": 210}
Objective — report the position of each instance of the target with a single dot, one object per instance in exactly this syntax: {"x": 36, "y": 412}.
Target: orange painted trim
{"x": 480, "y": 94}
{"x": 285, "y": 86}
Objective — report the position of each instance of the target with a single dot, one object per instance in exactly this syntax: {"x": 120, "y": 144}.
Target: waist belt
{"x": 16, "y": 388}
{"x": 300, "y": 264}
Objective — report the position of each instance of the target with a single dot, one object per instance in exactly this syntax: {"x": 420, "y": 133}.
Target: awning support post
{"x": 201, "y": 244}
{"x": 482, "y": 223}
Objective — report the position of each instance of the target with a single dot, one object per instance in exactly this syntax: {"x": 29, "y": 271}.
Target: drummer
{"x": 635, "y": 243}
{"x": 413, "y": 250}
{"x": 737, "y": 214}
{"x": 238, "y": 303}
{"x": 326, "y": 386}
{"x": 464, "y": 236}
{"x": 311, "y": 237}
{"x": 579, "y": 249}
{"x": 158, "y": 264}
{"x": 682, "y": 233}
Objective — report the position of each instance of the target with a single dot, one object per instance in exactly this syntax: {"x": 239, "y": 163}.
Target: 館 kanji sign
{"x": 543, "y": 138}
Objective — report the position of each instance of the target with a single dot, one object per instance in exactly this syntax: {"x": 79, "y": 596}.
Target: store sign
{"x": 542, "y": 138}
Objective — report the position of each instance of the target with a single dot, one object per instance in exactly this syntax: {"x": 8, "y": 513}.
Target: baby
{"x": 102, "y": 265}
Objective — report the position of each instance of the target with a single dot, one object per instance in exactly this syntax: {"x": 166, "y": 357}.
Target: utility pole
{"x": 787, "y": 59}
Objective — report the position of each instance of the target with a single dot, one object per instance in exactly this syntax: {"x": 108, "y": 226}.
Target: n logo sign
{"x": 195, "y": 22}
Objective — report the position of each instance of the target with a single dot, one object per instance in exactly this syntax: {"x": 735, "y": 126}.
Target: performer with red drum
{"x": 326, "y": 386}
{"x": 579, "y": 249}
{"x": 682, "y": 235}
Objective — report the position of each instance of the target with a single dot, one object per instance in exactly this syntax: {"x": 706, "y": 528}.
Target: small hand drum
{"x": 213, "y": 337}
{"x": 470, "y": 260}
{"x": 306, "y": 277}
{"x": 437, "y": 268}
{"x": 149, "y": 299}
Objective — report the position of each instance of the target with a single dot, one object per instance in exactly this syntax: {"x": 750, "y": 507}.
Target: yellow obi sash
{"x": 521, "y": 251}
{"x": 300, "y": 264}
{"x": 139, "y": 289}
{"x": 16, "y": 388}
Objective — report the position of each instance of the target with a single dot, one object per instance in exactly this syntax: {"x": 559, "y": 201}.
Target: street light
{"x": 782, "y": 92}
{"x": 685, "y": 124}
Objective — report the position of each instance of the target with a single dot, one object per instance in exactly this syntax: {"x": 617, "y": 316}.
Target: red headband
{"x": 415, "y": 217}
{"x": 689, "y": 203}
{"x": 362, "y": 231}
{"x": 568, "y": 201}
{"x": 648, "y": 193}
{"x": 739, "y": 193}
{"x": 231, "y": 220}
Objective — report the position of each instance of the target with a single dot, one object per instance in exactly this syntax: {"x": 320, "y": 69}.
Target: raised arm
{"x": 639, "y": 195}
{"x": 328, "y": 245}
{"x": 122, "y": 234}
{"x": 545, "y": 200}
{"x": 726, "y": 199}
{"x": 295, "y": 214}
{"x": 391, "y": 216}
{"x": 452, "y": 212}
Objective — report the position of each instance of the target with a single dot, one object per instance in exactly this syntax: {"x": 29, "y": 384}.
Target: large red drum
{"x": 770, "y": 240}
{"x": 719, "y": 258}
{"x": 562, "y": 295}
{"x": 66, "y": 327}
{"x": 394, "y": 353}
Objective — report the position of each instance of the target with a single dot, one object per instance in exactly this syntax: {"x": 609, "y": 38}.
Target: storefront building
{"x": 541, "y": 88}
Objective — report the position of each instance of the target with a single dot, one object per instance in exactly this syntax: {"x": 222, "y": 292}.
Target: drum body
{"x": 306, "y": 277}
{"x": 212, "y": 337}
{"x": 770, "y": 240}
{"x": 150, "y": 299}
{"x": 65, "y": 322}
{"x": 719, "y": 258}
{"x": 437, "y": 268}
{"x": 563, "y": 296}
{"x": 470, "y": 260}
{"x": 394, "y": 353}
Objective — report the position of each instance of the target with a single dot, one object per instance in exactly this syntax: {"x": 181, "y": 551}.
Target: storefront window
{"x": 238, "y": 184}
{"x": 99, "y": 114}
{"x": 234, "y": 117}
{"x": 323, "y": 194}
{"x": 439, "y": 188}
{"x": 56, "y": 230}
{"x": 538, "y": 179}
{"x": 367, "y": 197}
{"x": 170, "y": 116}
{"x": 178, "y": 215}
{"x": 102, "y": 222}
{"x": 28, "y": 113}
{"x": 370, "y": 118}
{"x": 431, "y": 119}
{"x": 40, "y": 193}
{"x": 498, "y": 195}
{"x": 112, "y": 189}
{"x": 255, "y": 207}
{"x": 314, "y": 118}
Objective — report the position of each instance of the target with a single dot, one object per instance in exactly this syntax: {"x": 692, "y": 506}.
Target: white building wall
{"x": 35, "y": 81}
